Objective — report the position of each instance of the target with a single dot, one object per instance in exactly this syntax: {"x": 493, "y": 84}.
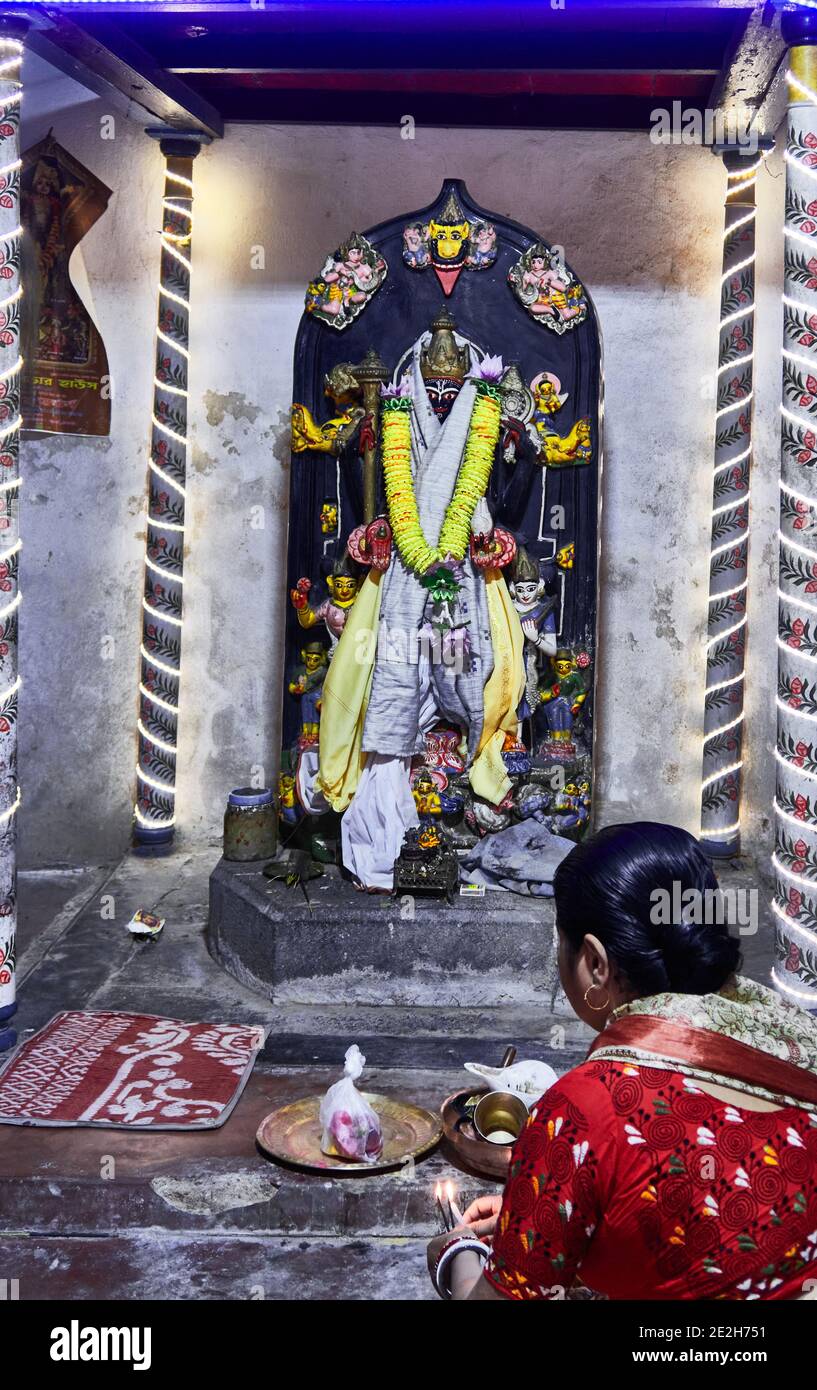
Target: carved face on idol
{"x": 448, "y": 240}
{"x": 526, "y": 592}
{"x": 313, "y": 658}
{"x": 343, "y": 588}
{"x": 564, "y": 665}
{"x": 443, "y": 364}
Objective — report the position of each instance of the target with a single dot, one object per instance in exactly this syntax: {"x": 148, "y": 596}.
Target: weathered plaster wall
{"x": 641, "y": 225}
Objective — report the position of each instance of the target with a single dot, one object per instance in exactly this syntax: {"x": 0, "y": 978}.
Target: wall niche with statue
{"x": 442, "y": 567}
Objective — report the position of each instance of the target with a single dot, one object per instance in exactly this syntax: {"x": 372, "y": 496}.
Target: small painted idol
{"x": 426, "y": 796}
{"x": 347, "y": 282}
{"x": 547, "y": 288}
{"x": 287, "y": 799}
{"x": 307, "y": 685}
{"x": 329, "y": 516}
{"x": 343, "y": 584}
{"x": 570, "y": 811}
{"x": 415, "y": 246}
{"x": 548, "y": 399}
{"x": 575, "y": 447}
{"x": 538, "y": 619}
{"x": 330, "y": 437}
{"x": 563, "y": 696}
{"x": 482, "y": 246}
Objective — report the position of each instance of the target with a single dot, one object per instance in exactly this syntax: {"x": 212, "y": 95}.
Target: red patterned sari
{"x": 632, "y": 1180}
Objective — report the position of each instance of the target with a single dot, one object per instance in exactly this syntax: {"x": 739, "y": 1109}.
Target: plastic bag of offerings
{"x": 351, "y": 1129}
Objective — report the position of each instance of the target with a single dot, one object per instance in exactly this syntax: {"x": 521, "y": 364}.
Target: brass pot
{"x": 500, "y": 1112}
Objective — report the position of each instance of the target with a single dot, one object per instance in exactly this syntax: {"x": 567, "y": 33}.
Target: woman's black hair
{"x": 626, "y": 885}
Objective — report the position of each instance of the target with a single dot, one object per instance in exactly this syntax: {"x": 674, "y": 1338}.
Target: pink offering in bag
{"x": 351, "y": 1128}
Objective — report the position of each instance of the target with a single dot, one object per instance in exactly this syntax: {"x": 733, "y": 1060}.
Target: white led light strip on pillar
{"x": 162, "y": 600}
{"x": 794, "y": 862}
{"x": 11, "y": 54}
{"x": 729, "y": 544}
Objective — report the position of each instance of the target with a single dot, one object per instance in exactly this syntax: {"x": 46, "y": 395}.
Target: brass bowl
{"x": 500, "y": 1110}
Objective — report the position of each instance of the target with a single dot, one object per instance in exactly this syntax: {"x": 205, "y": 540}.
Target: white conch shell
{"x": 528, "y": 1080}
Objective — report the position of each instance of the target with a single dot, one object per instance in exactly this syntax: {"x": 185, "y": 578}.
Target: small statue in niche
{"x": 329, "y": 438}
{"x": 563, "y": 696}
{"x": 547, "y": 289}
{"x": 538, "y": 618}
{"x": 343, "y": 585}
{"x": 481, "y": 246}
{"x": 548, "y": 399}
{"x": 329, "y": 517}
{"x": 426, "y": 796}
{"x": 287, "y": 796}
{"x": 517, "y": 411}
{"x": 415, "y": 246}
{"x": 574, "y": 447}
{"x": 347, "y": 282}
{"x": 450, "y": 244}
{"x": 570, "y": 811}
{"x": 307, "y": 685}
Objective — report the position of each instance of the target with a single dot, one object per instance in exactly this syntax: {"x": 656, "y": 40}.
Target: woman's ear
{"x": 596, "y": 960}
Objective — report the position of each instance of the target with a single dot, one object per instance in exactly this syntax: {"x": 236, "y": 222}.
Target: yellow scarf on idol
{"x": 349, "y": 681}
{"x": 503, "y": 692}
{"x": 345, "y": 697}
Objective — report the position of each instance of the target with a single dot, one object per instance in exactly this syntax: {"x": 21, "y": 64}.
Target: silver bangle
{"x": 454, "y": 1249}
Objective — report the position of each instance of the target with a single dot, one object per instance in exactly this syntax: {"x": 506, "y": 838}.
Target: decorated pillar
{"x": 726, "y": 627}
{"x": 11, "y": 55}
{"x": 162, "y": 602}
{"x": 795, "y": 856}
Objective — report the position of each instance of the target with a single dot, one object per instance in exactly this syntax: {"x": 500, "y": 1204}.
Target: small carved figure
{"x": 328, "y": 438}
{"x": 415, "y": 246}
{"x": 449, "y": 243}
{"x": 343, "y": 585}
{"x": 481, "y": 246}
{"x": 575, "y": 447}
{"x": 307, "y": 685}
{"x": 564, "y": 696}
{"x": 566, "y": 556}
{"x": 329, "y": 517}
{"x": 547, "y": 289}
{"x": 426, "y": 796}
{"x": 538, "y": 619}
{"x": 347, "y": 282}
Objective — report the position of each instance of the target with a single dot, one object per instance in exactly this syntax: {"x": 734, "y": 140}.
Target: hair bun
{"x": 698, "y": 957}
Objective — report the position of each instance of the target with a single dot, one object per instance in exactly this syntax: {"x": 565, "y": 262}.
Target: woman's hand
{"x": 482, "y": 1215}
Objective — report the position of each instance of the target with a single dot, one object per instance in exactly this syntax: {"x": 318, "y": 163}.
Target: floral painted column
{"x": 795, "y": 855}
{"x": 162, "y": 602}
{"x": 11, "y": 54}
{"x": 726, "y": 629}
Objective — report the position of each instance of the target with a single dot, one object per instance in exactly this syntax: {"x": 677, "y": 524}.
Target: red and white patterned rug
{"x": 126, "y": 1071}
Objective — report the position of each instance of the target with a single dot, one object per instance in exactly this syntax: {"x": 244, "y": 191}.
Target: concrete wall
{"x": 641, "y": 225}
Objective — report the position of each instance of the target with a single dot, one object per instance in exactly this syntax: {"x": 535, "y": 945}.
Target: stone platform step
{"x": 91, "y": 1182}
{"x": 342, "y": 946}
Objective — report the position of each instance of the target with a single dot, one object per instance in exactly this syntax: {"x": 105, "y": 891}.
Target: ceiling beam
{"x": 750, "y": 89}
{"x": 110, "y": 64}
{"x": 479, "y": 82}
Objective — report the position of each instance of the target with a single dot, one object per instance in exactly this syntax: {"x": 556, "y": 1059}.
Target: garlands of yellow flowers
{"x": 472, "y": 480}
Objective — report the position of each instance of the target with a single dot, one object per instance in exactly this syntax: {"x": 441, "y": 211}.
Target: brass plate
{"x": 292, "y": 1134}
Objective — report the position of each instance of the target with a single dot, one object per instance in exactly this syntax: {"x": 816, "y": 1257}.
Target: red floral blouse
{"x": 637, "y": 1182}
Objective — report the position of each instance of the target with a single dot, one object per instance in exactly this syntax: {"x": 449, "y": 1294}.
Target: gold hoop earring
{"x": 597, "y": 1008}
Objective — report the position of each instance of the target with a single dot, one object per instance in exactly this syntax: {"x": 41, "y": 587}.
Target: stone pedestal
{"x": 356, "y": 948}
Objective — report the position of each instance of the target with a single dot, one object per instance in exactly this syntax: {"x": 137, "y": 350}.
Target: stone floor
{"x": 205, "y": 1215}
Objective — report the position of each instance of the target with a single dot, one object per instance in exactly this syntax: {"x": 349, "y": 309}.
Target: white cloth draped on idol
{"x": 410, "y": 693}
